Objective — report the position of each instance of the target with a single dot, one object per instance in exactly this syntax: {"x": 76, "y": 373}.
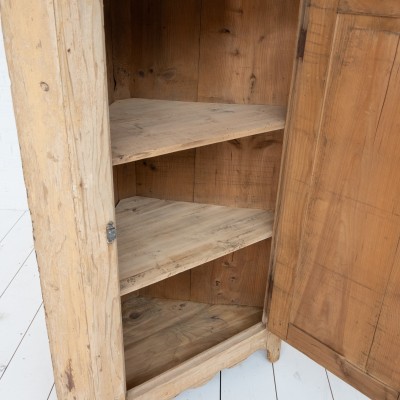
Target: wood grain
{"x": 240, "y": 173}
{"x": 187, "y": 328}
{"x": 159, "y": 29}
{"x": 168, "y": 177}
{"x": 384, "y": 356}
{"x": 60, "y": 99}
{"x": 142, "y": 128}
{"x": 197, "y": 370}
{"x": 339, "y": 365}
{"x": 158, "y": 238}
{"x": 317, "y": 22}
{"x": 125, "y": 180}
{"x": 237, "y": 278}
{"x": 119, "y": 34}
{"x": 350, "y": 234}
{"x": 246, "y": 51}
{"x": 165, "y": 52}
{"x": 386, "y": 8}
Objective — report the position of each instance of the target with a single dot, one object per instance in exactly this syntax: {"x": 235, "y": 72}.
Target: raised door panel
{"x": 335, "y": 262}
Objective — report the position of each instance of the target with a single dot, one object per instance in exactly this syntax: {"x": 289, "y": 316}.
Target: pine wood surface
{"x": 59, "y": 93}
{"x": 337, "y": 228}
{"x": 340, "y": 366}
{"x": 159, "y": 238}
{"x": 202, "y": 367}
{"x": 157, "y": 47}
{"x": 142, "y": 128}
{"x": 351, "y": 234}
{"x": 299, "y": 144}
{"x": 239, "y": 173}
{"x": 246, "y": 51}
{"x": 160, "y": 334}
{"x": 235, "y": 278}
{"x": 386, "y": 8}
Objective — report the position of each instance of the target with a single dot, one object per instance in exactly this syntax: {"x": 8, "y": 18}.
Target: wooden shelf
{"x": 142, "y": 128}
{"x": 160, "y": 334}
{"x": 160, "y": 238}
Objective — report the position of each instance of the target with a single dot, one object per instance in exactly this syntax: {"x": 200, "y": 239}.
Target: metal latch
{"x": 111, "y": 231}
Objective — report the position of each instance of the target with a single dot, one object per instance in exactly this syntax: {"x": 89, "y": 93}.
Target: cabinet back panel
{"x": 231, "y": 51}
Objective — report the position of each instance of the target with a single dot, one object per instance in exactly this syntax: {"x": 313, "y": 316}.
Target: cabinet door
{"x": 335, "y": 282}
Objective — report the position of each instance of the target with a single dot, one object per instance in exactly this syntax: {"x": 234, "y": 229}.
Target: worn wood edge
{"x": 284, "y": 160}
{"x": 120, "y": 160}
{"x": 307, "y": 7}
{"x": 275, "y": 125}
{"x": 339, "y": 366}
{"x": 371, "y": 8}
{"x": 273, "y": 346}
{"x": 203, "y": 367}
{"x": 154, "y": 275}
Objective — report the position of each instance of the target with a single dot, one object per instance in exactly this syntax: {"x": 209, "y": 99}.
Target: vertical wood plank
{"x": 246, "y": 50}
{"x": 165, "y": 52}
{"x": 350, "y": 235}
{"x": 109, "y": 50}
{"x": 125, "y": 179}
{"x": 239, "y": 173}
{"x": 56, "y": 55}
{"x": 238, "y": 278}
{"x": 317, "y": 22}
{"x": 121, "y": 42}
{"x": 168, "y": 177}
{"x": 384, "y": 356}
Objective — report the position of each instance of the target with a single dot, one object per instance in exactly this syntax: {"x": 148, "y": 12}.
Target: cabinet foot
{"x": 273, "y": 347}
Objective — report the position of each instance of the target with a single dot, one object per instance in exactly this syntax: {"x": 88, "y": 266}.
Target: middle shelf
{"x": 143, "y": 128}
{"x": 161, "y": 238}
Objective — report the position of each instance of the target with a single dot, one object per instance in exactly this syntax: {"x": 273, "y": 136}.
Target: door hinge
{"x": 111, "y": 232}
{"x": 301, "y": 44}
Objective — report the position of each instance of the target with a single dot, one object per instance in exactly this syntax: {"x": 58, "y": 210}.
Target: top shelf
{"x": 142, "y": 128}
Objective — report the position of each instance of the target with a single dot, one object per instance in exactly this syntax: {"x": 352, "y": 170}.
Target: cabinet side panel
{"x": 60, "y": 99}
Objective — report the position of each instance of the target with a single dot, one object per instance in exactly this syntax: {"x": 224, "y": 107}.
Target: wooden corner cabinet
{"x": 206, "y": 178}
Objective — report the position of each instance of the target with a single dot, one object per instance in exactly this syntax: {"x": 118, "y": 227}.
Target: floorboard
{"x": 298, "y": 377}
{"x": 53, "y": 394}
{"x": 18, "y": 307}
{"x": 252, "y": 379}
{"x": 8, "y": 219}
{"x": 29, "y": 375}
{"x": 342, "y": 390}
{"x": 14, "y": 250}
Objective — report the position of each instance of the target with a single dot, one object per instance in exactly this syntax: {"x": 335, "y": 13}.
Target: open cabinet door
{"x": 334, "y": 291}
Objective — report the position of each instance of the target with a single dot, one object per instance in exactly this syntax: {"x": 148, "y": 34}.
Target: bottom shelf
{"x": 160, "y": 334}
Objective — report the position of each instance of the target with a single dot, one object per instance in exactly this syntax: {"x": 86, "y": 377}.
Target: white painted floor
{"x": 25, "y": 365}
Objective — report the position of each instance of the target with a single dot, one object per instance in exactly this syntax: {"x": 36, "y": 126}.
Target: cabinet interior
{"x": 198, "y": 93}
